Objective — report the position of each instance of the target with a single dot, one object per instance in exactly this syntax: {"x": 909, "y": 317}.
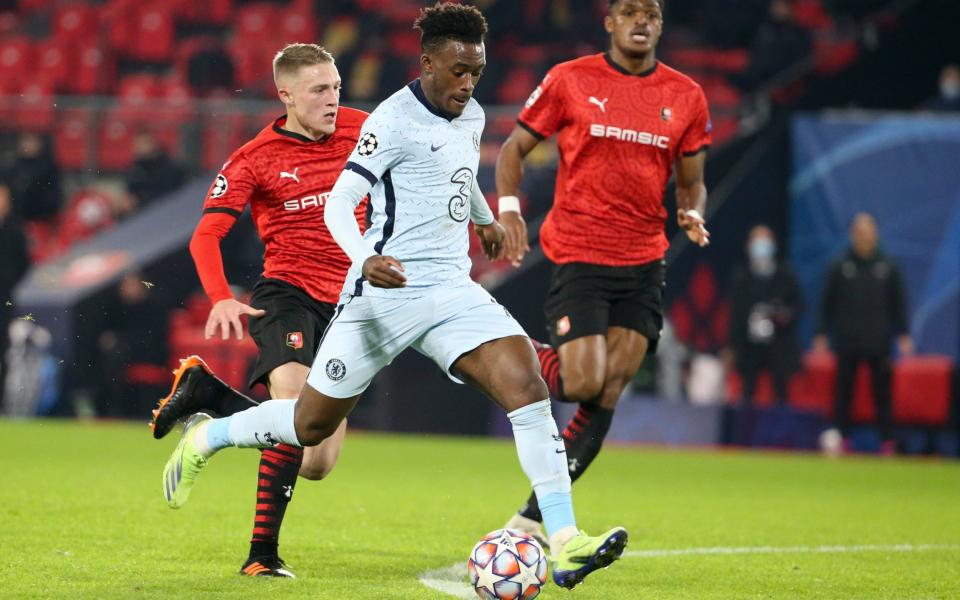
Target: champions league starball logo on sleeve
{"x": 368, "y": 144}
{"x": 219, "y": 186}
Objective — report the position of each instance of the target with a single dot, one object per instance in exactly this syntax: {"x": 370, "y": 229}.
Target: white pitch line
{"x": 451, "y": 580}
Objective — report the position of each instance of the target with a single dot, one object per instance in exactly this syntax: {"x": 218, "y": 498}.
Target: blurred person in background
{"x": 34, "y": 179}
{"x": 948, "y": 98}
{"x": 14, "y": 262}
{"x": 765, "y": 303}
{"x": 863, "y": 310}
{"x": 134, "y": 333}
{"x": 778, "y": 44}
{"x": 619, "y": 143}
{"x": 153, "y": 173}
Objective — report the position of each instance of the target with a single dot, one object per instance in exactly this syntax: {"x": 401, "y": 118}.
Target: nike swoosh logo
{"x": 435, "y": 148}
{"x": 560, "y": 451}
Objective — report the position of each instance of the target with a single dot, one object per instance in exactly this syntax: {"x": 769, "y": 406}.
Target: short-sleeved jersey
{"x": 619, "y": 136}
{"x": 286, "y": 178}
{"x": 422, "y": 166}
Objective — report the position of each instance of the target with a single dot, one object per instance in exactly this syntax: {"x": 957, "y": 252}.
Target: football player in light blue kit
{"x": 410, "y": 286}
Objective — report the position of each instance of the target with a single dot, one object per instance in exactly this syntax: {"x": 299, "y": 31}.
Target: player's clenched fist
{"x": 384, "y": 272}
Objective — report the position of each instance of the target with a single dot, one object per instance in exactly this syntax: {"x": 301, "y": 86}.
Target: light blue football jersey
{"x": 422, "y": 166}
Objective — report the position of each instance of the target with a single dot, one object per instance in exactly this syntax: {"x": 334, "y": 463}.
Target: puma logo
{"x": 600, "y": 103}
{"x": 292, "y": 176}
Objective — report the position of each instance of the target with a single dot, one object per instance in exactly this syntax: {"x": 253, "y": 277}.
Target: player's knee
{"x": 316, "y": 471}
{"x": 612, "y": 390}
{"x": 312, "y": 429}
{"x": 582, "y": 386}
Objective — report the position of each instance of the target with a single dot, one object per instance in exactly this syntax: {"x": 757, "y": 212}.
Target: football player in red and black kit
{"x": 624, "y": 121}
{"x": 285, "y": 173}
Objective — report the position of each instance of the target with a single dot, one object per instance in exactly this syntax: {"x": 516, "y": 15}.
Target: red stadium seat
{"x": 221, "y": 137}
{"x": 251, "y": 65}
{"x": 87, "y": 213}
{"x": 94, "y": 70}
{"x": 212, "y": 12}
{"x": 71, "y": 144}
{"x": 74, "y": 21}
{"x": 298, "y": 25}
{"x": 257, "y": 22}
{"x": 177, "y": 102}
{"x": 137, "y": 95}
{"x": 56, "y": 60}
{"x": 154, "y": 35}
{"x": 16, "y": 58}
{"x": 114, "y": 144}
{"x": 921, "y": 390}
{"x": 37, "y": 107}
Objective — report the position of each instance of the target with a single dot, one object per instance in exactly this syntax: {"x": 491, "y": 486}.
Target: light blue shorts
{"x": 367, "y": 333}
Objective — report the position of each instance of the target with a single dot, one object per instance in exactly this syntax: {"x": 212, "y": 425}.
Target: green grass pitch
{"x": 83, "y": 517}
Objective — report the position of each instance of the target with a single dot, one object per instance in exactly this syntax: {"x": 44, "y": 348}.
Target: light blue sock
{"x": 544, "y": 460}
{"x": 557, "y": 511}
{"x": 218, "y": 433}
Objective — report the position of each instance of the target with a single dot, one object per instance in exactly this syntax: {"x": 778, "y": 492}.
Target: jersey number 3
{"x": 459, "y": 207}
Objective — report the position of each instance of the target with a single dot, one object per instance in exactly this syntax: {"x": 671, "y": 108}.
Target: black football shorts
{"x": 586, "y": 299}
{"x": 290, "y": 331}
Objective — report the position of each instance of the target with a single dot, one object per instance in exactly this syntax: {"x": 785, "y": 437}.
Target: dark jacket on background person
{"x": 763, "y": 317}
{"x": 152, "y": 177}
{"x": 863, "y": 305}
{"x": 14, "y": 259}
{"x": 35, "y": 187}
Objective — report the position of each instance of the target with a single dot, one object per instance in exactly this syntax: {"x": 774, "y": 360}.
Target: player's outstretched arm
{"x": 205, "y": 250}
{"x": 509, "y": 175}
{"x": 692, "y": 197}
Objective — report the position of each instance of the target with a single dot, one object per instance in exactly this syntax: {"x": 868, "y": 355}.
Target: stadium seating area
{"x": 170, "y": 66}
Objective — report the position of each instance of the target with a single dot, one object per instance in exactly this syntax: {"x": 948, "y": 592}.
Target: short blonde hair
{"x": 295, "y": 56}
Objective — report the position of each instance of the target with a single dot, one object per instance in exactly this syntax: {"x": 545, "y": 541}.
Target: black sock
{"x": 277, "y": 477}
{"x": 221, "y": 398}
{"x": 583, "y": 439}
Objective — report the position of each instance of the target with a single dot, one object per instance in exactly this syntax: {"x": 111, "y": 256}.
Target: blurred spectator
{"x": 854, "y": 9}
{"x": 153, "y": 173}
{"x": 949, "y": 98}
{"x": 13, "y": 266}
{"x": 133, "y": 340}
{"x": 34, "y": 179}
{"x": 210, "y": 69}
{"x": 778, "y": 44}
{"x": 863, "y": 308}
{"x": 765, "y": 303}
{"x": 729, "y": 23}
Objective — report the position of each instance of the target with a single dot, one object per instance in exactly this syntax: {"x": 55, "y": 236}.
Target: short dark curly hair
{"x": 447, "y": 21}
{"x": 660, "y": 2}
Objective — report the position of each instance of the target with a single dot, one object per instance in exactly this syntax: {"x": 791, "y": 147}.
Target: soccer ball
{"x": 507, "y": 565}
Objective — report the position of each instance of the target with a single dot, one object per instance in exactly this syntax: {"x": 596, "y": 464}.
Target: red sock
{"x": 549, "y": 368}
{"x": 277, "y": 477}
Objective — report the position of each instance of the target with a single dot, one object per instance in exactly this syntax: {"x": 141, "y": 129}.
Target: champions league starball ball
{"x": 507, "y": 565}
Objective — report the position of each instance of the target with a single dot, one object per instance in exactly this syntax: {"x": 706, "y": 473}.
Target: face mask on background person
{"x": 950, "y": 89}
{"x": 761, "y": 252}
